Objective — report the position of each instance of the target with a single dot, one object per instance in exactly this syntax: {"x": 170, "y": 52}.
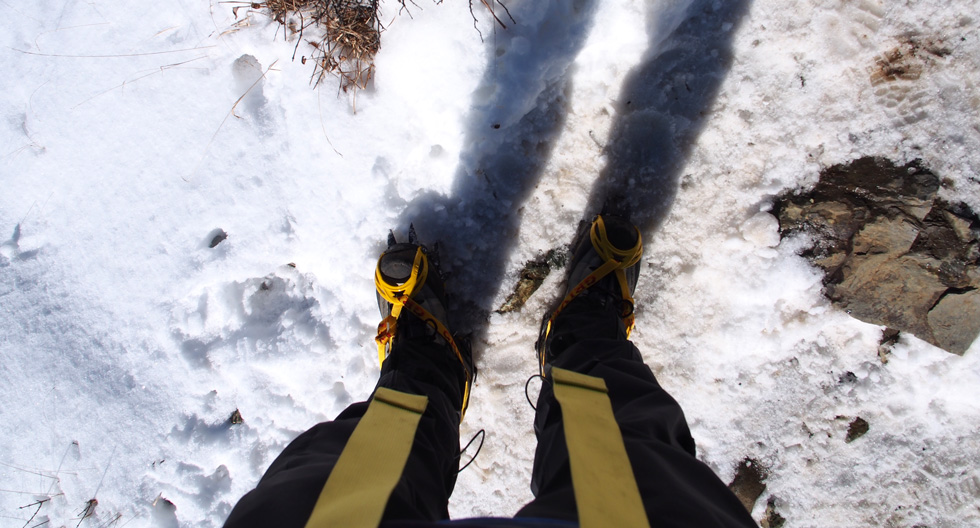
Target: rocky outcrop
{"x": 894, "y": 254}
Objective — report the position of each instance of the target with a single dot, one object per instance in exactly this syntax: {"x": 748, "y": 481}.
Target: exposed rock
{"x": 888, "y": 291}
{"x": 531, "y": 277}
{"x": 894, "y": 253}
{"x": 889, "y": 336}
{"x": 952, "y": 314}
{"x": 216, "y": 236}
{"x": 749, "y": 482}
{"x": 772, "y": 519}
{"x": 858, "y": 428}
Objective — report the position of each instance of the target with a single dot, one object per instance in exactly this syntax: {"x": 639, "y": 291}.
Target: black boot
{"x": 601, "y": 281}
{"x": 413, "y": 305}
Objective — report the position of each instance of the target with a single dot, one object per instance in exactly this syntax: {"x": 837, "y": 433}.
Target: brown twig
{"x": 39, "y": 504}
{"x": 489, "y": 5}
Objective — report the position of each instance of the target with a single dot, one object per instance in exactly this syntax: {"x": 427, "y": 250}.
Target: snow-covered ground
{"x": 126, "y": 342}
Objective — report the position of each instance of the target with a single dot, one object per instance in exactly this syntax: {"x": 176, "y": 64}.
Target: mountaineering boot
{"x": 412, "y": 301}
{"x": 395, "y": 267}
{"x": 602, "y": 277}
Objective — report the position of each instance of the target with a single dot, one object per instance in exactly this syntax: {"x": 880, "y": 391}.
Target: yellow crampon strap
{"x": 624, "y": 259}
{"x": 357, "y": 491}
{"x": 400, "y": 296}
{"x": 615, "y": 260}
{"x": 393, "y": 294}
{"x": 605, "y": 488}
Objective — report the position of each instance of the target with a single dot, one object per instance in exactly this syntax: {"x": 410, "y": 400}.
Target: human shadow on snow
{"x": 662, "y": 107}
{"x": 660, "y": 113}
{"x": 518, "y": 110}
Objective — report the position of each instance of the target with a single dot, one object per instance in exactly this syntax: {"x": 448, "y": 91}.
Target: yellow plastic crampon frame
{"x": 615, "y": 261}
{"x": 400, "y": 296}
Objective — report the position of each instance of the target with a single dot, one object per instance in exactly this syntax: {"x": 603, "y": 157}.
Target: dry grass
{"x": 345, "y": 34}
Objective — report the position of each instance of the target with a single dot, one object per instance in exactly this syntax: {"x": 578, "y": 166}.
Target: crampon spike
{"x": 391, "y": 239}
{"x": 413, "y": 238}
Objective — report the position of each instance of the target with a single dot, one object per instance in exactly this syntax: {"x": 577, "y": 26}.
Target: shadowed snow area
{"x": 188, "y": 236}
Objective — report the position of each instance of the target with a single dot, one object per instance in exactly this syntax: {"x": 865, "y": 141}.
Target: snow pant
{"x": 677, "y": 489}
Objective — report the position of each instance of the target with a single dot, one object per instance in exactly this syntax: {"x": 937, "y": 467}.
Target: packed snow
{"x": 133, "y": 135}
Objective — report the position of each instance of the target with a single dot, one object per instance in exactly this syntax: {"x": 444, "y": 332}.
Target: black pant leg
{"x": 677, "y": 489}
{"x": 287, "y": 492}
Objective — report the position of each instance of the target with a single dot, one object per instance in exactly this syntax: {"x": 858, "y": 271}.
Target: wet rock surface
{"x": 894, "y": 253}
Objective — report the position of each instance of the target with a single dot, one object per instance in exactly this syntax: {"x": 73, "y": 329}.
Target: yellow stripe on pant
{"x": 357, "y": 491}
{"x": 605, "y": 487}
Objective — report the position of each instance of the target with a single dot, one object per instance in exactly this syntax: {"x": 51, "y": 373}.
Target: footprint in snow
{"x": 249, "y": 80}
{"x": 10, "y": 250}
{"x": 255, "y": 318}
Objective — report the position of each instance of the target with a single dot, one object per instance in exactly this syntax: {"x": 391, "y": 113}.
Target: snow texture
{"x": 132, "y": 137}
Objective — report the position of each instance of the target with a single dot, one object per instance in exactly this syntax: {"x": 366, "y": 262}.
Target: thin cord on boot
{"x": 528, "y": 396}
{"x": 482, "y": 433}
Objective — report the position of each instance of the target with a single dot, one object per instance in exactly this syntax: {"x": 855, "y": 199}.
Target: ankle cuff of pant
{"x": 428, "y": 361}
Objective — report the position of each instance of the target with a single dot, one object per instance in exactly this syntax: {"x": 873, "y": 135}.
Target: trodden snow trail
{"x": 131, "y": 333}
